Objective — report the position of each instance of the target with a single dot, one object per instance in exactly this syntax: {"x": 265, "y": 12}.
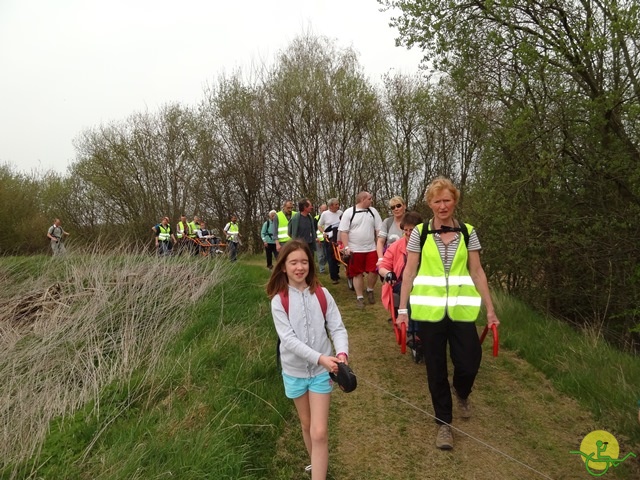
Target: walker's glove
{"x": 390, "y": 278}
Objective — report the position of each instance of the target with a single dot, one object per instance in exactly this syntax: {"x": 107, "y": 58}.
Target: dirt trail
{"x": 521, "y": 427}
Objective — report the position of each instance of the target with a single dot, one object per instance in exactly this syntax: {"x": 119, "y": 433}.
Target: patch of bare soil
{"x": 521, "y": 427}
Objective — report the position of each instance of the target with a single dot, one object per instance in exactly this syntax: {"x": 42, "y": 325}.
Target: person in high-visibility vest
{"x": 232, "y": 232}
{"x": 192, "y": 233}
{"x": 444, "y": 284}
{"x": 322, "y": 259}
{"x": 281, "y": 224}
{"x": 164, "y": 237}
{"x": 181, "y": 235}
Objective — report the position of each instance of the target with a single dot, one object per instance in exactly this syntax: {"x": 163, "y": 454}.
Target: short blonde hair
{"x": 395, "y": 200}
{"x": 438, "y": 185}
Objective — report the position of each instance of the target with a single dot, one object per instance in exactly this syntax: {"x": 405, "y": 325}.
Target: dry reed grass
{"x": 84, "y": 321}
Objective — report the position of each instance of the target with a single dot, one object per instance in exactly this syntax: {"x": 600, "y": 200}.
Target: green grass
{"x": 211, "y": 407}
{"x": 579, "y": 363}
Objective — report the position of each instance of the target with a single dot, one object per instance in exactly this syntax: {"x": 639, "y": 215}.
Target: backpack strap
{"x": 462, "y": 228}
{"x": 355, "y": 210}
{"x": 322, "y": 299}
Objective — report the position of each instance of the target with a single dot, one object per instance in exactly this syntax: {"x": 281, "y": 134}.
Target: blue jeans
{"x": 164, "y": 248}
{"x": 233, "y": 251}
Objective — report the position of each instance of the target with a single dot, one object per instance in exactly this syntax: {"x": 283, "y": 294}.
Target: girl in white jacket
{"x": 305, "y": 346}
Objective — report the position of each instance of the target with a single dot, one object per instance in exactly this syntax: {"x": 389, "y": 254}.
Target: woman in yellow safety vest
{"x": 444, "y": 284}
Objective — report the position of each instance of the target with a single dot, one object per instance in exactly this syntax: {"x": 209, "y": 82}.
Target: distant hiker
{"x": 56, "y": 234}
{"x": 164, "y": 237}
{"x": 445, "y": 284}
{"x": 302, "y": 225}
{"x": 192, "y": 232}
{"x": 305, "y": 348}
{"x": 268, "y": 240}
{"x": 182, "y": 235}
{"x": 281, "y": 224}
{"x": 320, "y": 253}
{"x": 390, "y": 230}
{"x": 393, "y": 263}
{"x": 232, "y": 232}
{"x": 328, "y": 223}
{"x": 359, "y": 229}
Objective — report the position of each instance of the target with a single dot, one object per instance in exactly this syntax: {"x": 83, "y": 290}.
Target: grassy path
{"x": 521, "y": 427}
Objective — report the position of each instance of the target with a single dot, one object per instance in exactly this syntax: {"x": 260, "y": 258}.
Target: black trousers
{"x": 466, "y": 353}
{"x": 271, "y": 253}
{"x": 334, "y": 266}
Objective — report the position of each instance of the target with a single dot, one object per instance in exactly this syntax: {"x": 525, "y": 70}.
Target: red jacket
{"x": 395, "y": 258}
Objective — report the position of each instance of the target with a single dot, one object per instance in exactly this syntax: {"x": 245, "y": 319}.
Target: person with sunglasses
{"x": 395, "y": 258}
{"x": 391, "y": 230}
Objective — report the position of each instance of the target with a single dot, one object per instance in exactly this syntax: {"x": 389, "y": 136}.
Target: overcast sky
{"x": 72, "y": 64}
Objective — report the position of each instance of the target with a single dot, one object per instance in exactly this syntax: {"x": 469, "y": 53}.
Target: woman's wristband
{"x": 403, "y": 311}
{"x": 342, "y": 353}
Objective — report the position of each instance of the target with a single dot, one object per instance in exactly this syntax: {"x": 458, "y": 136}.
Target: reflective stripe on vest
{"x": 283, "y": 227}
{"x": 436, "y": 294}
{"x": 233, "y": 231}
{"x": 165, "y": 233}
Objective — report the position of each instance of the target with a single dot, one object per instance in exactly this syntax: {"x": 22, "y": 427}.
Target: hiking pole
{"x": 494, "y": 331}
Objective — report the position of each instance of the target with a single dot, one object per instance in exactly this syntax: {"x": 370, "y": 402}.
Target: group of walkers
{"x": 434, "y": 270}
{"x": 194, "y": 236}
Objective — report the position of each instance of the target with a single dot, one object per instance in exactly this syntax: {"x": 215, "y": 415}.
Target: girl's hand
{"x": 343, "y": 358}
{"x": 492, "y": 319}
{"x": 330, "y": 363}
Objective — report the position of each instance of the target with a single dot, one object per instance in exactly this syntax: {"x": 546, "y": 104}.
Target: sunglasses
{"x": 396, "y": 206}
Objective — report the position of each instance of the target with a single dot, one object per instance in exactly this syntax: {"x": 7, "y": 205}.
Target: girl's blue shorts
{"x": 295, "y": 387}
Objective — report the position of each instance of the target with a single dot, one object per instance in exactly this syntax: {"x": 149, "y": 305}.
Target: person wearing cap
{"x": 267, "y": 239}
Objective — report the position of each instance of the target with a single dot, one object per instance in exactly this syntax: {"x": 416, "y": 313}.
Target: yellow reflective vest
{"x": 283, "y": 227}
{"x": 165, "y": 233}
{"x": 319, "y": 234}
{"x": 436, "y": 293}
{"x": 193, "y": 228}
{"x": 182, "y": 227}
